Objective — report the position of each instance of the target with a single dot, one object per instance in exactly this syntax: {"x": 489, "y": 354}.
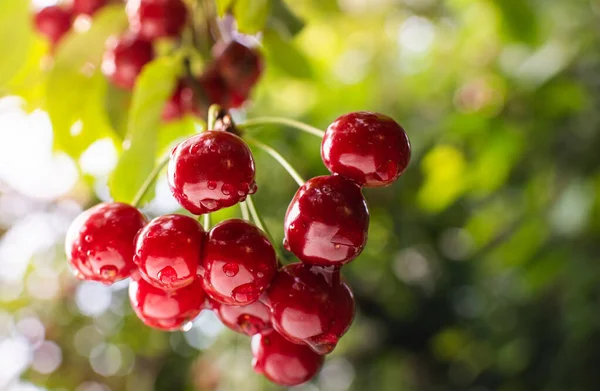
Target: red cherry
{"x": 239, "y": 262}
{"x": 124, "y": 59}
{"x": 163, "y": 310}
{"x": 182, "y": 102}
{"x": 369, "y": 148}
{"x": 210, "y": 171}
{"x": 100, "y": 242}
{"x": 239, "y": 66}
{"x": 215, "y": 88}
{"x": 327, "y": 221}
{"x": 53, "y": 22}
{"x": 87, "y": 7}
{"x": 283, "y": 362}
{"x": 310, "y": 305}
{"x": 249, "y": 319}
{"x": 168, "y": 251}
{"x": 154, "y": 19}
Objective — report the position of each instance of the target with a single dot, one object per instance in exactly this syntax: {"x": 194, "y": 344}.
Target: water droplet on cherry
{"x": 231, "y": 269}
{"x": 108, "y": 273}
{"x": 167, "y": 276}
{"x": 246, "y": 293}
{"x": 212, "y": 185}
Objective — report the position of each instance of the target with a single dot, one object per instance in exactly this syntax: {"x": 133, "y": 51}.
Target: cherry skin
{"x": 249, "y": 319}
{"x": 239, "y": 65}
{"x": 100, "y": 242}
{"x": 282, "y": 361}
{"x": 87, "y": 7}
{"x": 369, "y": 148}
{"x": 217, "y": 90}
{"x": 239, "y": 262}
{"x": 163, "y": 310}
{"x": 327, "y": 221}
{"x": 310, "y": 305}
{"x": 210, "y": 171}
{"x": 125, "y": 58}
{"x": 53, "y": 22}
{"x": 154, "y": 19}
{"x": 182, "y": 102}
{"x": 168, "y": 251}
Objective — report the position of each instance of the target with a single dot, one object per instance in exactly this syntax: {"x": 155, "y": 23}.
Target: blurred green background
{"x": 481, "y": 272}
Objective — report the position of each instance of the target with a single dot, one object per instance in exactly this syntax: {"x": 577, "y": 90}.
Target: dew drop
{"x": 246, "y": 293}
{"x": 250, "y": 324}
{"x": 245, "y": 187}
{"x": 260, "y": 274}
{"x": 187, "y": 326}
{"x": 195, "y": 148}
{"x": 253, "y": 188}
{"x": 227, "y": 189}
{"x": 241, "y": 193}
{"x": 213, "y": 147}
{"x": 167, "y": 276}
{"x": 212, "y": 185}
{"x": 209, "y": 204}
{"x": 89, "y": 253}
{"x": 286, "y": 245}
{"x": 108, "y": 273}
{"x": 88, "y": 238}
{"x": 231, "y": 269}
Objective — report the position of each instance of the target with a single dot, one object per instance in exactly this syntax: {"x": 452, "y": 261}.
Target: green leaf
{"x": 251, "y": 15}
{"x": 520, "y": 21}
{"x": 153, "y": 87}
{"x": 223, "y": 6}
{"x": 16, "y": 33}
{"x": 76, "y": 88}
{"x": 285, "y": 55}
{"x": 283, "y": 19}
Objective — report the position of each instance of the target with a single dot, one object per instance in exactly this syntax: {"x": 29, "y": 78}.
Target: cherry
{"x": 239, "y": 65}
{"x": 369, "y": 148}
{"x": 310, "y": 305}
{"x": 327, "y": 221}
{"x": 125, "y": 58}
{"x": 282, "y": 361}
{"x": 157, "y": 18}
{"x": 168, "y": 251}
{"x": 100, "y": 242}
{"x": 239, "y": 262}
{"x": 210, "y": 171}
{"x": 249, "y": 319}
{"x": 53, "y": 22}
{"x": 87, "y": 7}
{"x": 163, "y": 310}
{"x": 182, "y": 102}
{"x": 217, "y": 90}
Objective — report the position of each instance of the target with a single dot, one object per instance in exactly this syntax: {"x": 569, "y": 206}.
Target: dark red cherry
{"x": 249, "y": 319}
{"x": 100, "y": 242}
{"x": 182, "y": 102}
{"x": 53, "y": 22}
{"x": 157, "y": 18}
{"x": 239, "y": 66}
{"x": 124, "y": 59}
{"x": 217, "y": 91}
{"x": 239, "y": 262}
{"x": 168, "y": 251}
{"x": 210, "y": 171}
{"x": 327, "y": 221}
{"x": 369, "y": 148}
{"x": 282, "y": 361}
{"x": 163, "y": 310}
{"x": 310, "y": 305}
{"x": 87, "y": 7}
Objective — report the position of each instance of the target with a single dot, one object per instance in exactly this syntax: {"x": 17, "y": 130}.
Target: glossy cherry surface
{"x": 125, "y": 58}
{"x": 239, "y": 262}
{"x": 168, "y": 251}
{"x": 327, "y": 221}
{"x": 163, "y": 310}
{"x": 310, "y": 305}
{"x": 282, "y": 361}
{"x": 88, "y": 7}
{"x": 157, "y": 18}
{"x": 210, "y": 171}
{"x": 53, "y": 22}
{"x": 239, "y": 66}
{"x": 249, "y": 319}
{"x": 369, "y": 148}
{"x": 100, "y": 242}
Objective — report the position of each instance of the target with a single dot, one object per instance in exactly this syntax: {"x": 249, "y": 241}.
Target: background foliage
{"x": 482, "y": 269}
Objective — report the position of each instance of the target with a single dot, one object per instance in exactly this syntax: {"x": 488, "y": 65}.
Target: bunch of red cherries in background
{"x": 295, "y": 313}
{"x": 227, "y": 81}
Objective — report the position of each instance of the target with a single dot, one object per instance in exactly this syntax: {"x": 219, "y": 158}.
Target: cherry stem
{"x": 280, "y": 159}
{"x": 213, "y": 115}
{"x": 207, "y": 222}
{"x": 149, "y": 182}
{"x": 244, "y": 210}
{"x": 261, "y": 224}
{"x": 261, "y": 121}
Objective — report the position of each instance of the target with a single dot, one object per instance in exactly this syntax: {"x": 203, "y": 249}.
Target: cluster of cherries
{"x": 226, "y": 81}
{"x": 295, "y": 314}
